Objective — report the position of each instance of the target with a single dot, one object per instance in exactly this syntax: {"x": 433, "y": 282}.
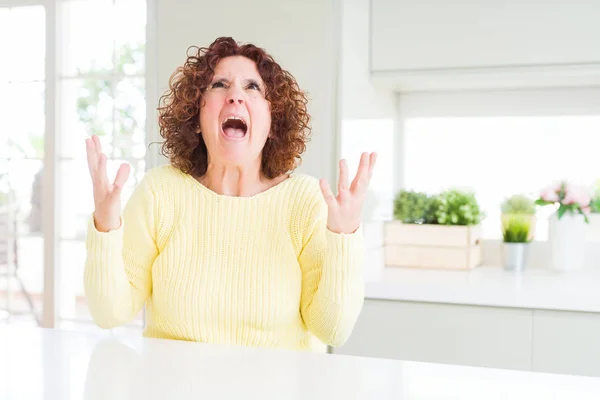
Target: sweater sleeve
{"x": 332, "y": 279}
{"x": 117, "y": 275}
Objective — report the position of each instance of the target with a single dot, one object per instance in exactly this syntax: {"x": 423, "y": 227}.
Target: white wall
{"x": 303, "y": 36}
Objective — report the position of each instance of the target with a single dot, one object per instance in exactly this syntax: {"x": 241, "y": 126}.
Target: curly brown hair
{"x": 179, "y": 110}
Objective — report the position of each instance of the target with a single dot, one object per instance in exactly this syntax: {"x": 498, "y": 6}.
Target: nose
{"x": 235, "y": 95}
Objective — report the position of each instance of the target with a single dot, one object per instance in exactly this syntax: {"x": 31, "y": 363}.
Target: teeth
{"x": 237, "y": 118}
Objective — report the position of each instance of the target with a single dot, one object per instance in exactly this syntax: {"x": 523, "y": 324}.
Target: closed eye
{"x": 253, "y": 86}
{"x": 217, "y": 84}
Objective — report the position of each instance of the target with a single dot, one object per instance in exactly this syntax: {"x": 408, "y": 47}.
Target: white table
{"x": 52, "y": 365}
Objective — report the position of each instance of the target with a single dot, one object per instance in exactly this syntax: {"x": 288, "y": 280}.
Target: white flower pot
{"x": 568, "y": 242}
{"x": 594, "y": 228}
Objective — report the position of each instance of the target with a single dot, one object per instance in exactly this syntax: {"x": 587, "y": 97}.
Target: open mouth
{"x": 234, "y": 128}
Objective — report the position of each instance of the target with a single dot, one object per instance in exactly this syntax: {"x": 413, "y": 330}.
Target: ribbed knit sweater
{"x": 258, "y": 271}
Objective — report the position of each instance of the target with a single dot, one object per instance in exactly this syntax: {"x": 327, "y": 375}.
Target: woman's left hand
{"x": 344, "y": 211}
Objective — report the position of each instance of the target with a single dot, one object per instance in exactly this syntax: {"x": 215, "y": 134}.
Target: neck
{"x": 233, "y": 180}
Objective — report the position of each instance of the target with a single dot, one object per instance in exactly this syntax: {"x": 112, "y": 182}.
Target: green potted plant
{"x": 439, "y": 230}
{"x": 516, "y": 237}
{"x": 411, "y": 207}
{"x": 458, "y": 207}
{"x": 522, "y": 206}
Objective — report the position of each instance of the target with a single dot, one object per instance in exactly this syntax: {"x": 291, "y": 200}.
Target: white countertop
{"x": 491, "y": 286}
{"x": 52, "y": 365}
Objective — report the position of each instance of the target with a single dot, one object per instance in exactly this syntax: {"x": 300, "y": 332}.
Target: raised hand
{"x": 107, "y": 195}
{"x": 344, "y": 211}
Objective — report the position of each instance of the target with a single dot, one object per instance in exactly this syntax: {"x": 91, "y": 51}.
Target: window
{"x": 100, "y": 89}
{"x": 22, "y": 90}
{"x": 500, "y": 156}
{"x": 360, "y": 136}
{"x": 102, "y": 92}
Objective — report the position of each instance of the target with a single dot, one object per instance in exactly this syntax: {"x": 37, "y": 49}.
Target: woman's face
{"x": 235, "y": 119}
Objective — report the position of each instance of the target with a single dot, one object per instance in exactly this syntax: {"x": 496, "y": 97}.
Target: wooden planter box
{"x": 432, "y": 246}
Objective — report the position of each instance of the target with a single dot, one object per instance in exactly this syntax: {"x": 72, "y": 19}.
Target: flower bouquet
{"x": 571, "y": 199}
{"x": 567, "y": 230}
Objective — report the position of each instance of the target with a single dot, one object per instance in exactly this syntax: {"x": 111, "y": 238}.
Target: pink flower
{"x": 576, "y": 195}
{"x": 550, "y": 194}
{"x": 586, "y": 210}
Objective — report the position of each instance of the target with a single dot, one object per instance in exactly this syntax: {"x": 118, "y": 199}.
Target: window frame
{"x": 567, "y": 101}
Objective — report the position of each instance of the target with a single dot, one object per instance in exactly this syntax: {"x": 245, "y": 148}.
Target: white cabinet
{"x": 442, "y": 333}
{"x": 435, "y": 34}
{"x": 563, "y": 342}
{"x": 566, "y": 342}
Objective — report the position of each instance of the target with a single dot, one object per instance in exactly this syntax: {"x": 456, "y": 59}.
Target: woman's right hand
{"x": 107, "y": 196}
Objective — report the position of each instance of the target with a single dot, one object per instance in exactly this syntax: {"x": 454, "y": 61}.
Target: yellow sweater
{"x": 254, "y": 271}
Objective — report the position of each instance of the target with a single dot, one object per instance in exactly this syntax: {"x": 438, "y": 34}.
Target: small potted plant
{"x": 567, "y": 226}
{"x": 457, "y": 207}
{"x": 516, "y": 231}
{"x": 522, "y": 206}
{"x": 434, "y": 231}
{"x": 411, "y": 207}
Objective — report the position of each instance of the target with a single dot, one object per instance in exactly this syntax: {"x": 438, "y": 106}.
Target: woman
{"x": 226, "y": 244}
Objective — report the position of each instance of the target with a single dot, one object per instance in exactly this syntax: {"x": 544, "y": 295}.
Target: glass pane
{"x": 23, "y": 126}
{"x": 25, "y": 184}
{"x": 130, "y": 114}
{"x": 6, "y": 109}
{"x": 5, "y": 45}
{"x": 87, "y": 109}
{"x": 25, "y": 284}
{"x": 360, "y": 136}
{"x": 501, "y": 156}
{"x": 130, "y": 36}
{"x": 25, "y": 47}
{"x": 73, "y": 305}
{"x": 72, "y": 297}
{"x": 21, "y": 258}
{"x": 75, "y": 195}
{"x": 88, "y": 36}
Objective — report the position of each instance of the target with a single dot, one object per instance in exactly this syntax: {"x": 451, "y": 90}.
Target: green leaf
{"x": 595, "y": 205}
{"x": 561, "y": 211}
{"x": 413, "y": 207}
{"x": 517, "y": 229}
{"x": 458, "y": 207}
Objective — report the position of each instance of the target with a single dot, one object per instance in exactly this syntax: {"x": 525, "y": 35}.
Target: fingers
{"x": 101, "y": 174}
{"x": 327, "y": 193}
{"x": 121, "y": 178}
{"x": 364, "y": 174}
{"x": 92, "y": 158}
{"x": 372, "y": 161}
{"x": 96, "y": 161}
{"x": 97, "y": 144}
{"x": 359, "y": 180}
{"x": 343, "y": 180}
